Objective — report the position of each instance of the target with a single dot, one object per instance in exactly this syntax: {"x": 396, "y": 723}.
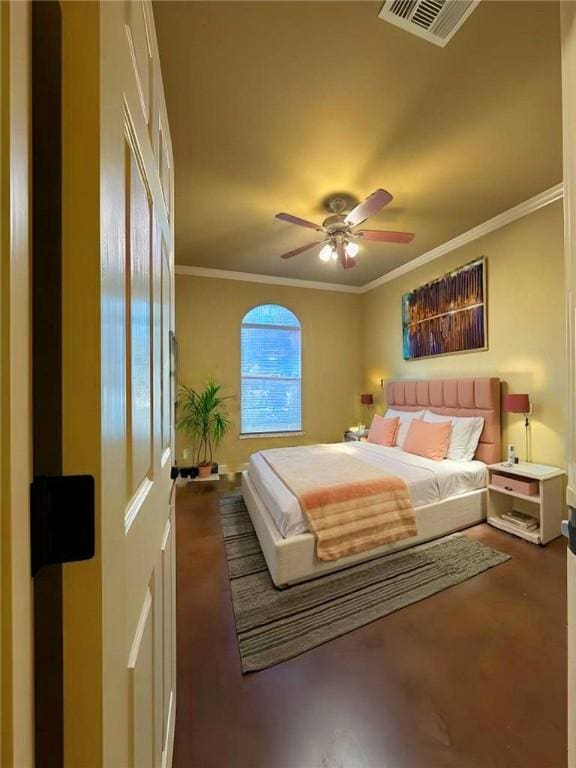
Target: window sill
{"x": 258, "y": 435}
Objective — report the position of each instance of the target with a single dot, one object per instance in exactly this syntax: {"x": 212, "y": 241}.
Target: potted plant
{"x": 204, "y": 419}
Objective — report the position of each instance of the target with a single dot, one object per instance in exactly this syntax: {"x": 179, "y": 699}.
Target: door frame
{"x": 568, "y": 54}
{"x": 16, "y": 640}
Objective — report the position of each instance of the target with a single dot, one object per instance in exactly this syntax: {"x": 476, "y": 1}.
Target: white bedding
{"x": 428, "y": 481}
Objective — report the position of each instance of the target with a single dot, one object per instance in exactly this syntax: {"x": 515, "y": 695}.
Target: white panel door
{"x": 118, "y": 303}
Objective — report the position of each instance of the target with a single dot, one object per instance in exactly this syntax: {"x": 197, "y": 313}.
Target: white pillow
{"x": 404, "y": 425}
{"x": 466, "y": 431}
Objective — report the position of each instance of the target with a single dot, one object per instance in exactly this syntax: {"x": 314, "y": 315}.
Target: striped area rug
{"x": 274, "y": 625}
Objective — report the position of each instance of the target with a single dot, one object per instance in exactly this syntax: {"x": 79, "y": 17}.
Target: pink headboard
{"x": 455, "y": 397}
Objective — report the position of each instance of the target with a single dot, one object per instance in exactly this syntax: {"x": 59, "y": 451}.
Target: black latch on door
{"x": 61, "y": 520}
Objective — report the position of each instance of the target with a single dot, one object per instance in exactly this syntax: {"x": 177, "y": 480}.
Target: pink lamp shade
{"x": 367, "y": 399}
{"x": 516, "y": 404}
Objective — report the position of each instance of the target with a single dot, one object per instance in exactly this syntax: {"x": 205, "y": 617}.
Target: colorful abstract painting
{"x": 447, "y": 315}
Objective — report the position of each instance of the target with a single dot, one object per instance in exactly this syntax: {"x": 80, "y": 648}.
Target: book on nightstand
{"x": 521, "y": 520}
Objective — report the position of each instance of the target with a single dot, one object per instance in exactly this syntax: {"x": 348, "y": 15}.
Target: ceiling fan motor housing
{"x": 336, "y": 223}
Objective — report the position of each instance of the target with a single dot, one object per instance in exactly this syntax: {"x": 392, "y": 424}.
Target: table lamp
{"x": 519, "y": 404}
{"x": 367, "y": 399}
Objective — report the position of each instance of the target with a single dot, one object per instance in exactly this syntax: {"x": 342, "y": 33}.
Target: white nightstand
{"x": 355, "y": 436}
{"x": 534, "y": 489}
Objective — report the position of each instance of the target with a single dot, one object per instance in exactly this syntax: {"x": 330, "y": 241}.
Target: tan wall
{"x": 350, "y": 342}
{"x": 208, "y": 316}
{"x": 525, "y": 327}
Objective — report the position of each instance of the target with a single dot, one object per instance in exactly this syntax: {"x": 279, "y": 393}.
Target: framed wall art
{"x": 447, "y": 315}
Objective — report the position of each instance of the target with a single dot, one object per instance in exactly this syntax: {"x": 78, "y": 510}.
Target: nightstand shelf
{"x": 545, "y": 505}
{"x": 516, "y": 494}
{"x": 533, "y": 536}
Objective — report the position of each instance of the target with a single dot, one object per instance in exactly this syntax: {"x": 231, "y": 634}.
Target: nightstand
{"x": 350, "y": 437}
{"x": 533, "y": 489}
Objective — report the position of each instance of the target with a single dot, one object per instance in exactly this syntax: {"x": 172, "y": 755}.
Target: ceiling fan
{"x": 339, "y": 243}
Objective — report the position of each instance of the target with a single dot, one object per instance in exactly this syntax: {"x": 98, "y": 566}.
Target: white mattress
{"x": 428, "y": 481}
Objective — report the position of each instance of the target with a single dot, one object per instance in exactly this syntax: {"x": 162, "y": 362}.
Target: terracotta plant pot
{"x": 204, "y": 470}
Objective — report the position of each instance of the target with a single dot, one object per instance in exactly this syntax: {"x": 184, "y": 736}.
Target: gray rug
{"x": 274, "y": 625}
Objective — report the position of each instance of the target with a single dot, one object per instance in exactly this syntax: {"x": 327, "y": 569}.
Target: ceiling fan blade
{"x": 373, "y": 203}
{"x": 296, "y": 220}
{"x": 302, "y": 248}
{"x": 381, "y": 236}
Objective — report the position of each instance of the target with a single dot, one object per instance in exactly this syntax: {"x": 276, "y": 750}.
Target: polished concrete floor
{"x": 474, "y": 677}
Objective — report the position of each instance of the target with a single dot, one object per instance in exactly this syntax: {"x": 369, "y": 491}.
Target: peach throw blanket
{"x": 350, "y": 505}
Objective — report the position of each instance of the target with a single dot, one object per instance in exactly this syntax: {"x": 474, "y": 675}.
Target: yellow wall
{"x": 208, "y": 316}
{"x": 350, "y": 342}
{"x": 525, "y": 327}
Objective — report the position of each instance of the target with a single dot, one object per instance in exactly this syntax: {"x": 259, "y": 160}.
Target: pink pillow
{"x": 383, "y": 431}
{"x": 428, "y": 439}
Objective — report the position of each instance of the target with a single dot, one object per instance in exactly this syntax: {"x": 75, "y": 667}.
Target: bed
{"x": 447, "y": 496}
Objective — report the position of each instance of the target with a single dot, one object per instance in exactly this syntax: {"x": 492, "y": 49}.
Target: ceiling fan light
{"x": 326, "y": 252}
{"x": 351, "y": 249}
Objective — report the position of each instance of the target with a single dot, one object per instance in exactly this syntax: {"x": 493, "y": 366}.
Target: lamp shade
{"x": 367, "y": 399}
{"x": 516, "y": 404}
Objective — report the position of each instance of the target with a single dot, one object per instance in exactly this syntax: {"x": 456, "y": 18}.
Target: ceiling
{"x": 274, "y": 105}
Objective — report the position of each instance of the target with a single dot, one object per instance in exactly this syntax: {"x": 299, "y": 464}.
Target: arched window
{"x": 271, "y": 382}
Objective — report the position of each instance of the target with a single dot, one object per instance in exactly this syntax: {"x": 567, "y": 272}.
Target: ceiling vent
{"x": 435, "y": 20}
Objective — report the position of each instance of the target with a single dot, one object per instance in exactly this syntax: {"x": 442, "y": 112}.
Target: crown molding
{"x": 250, "y": 277}
{"x": 512, "y": 214}
{"x": 507, "y": 217}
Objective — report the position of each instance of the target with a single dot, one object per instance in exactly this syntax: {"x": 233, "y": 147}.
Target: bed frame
{"x": 293, "y": 560}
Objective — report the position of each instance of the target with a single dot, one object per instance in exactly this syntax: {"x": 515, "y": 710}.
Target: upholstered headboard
{"x": 455, "y": 397}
